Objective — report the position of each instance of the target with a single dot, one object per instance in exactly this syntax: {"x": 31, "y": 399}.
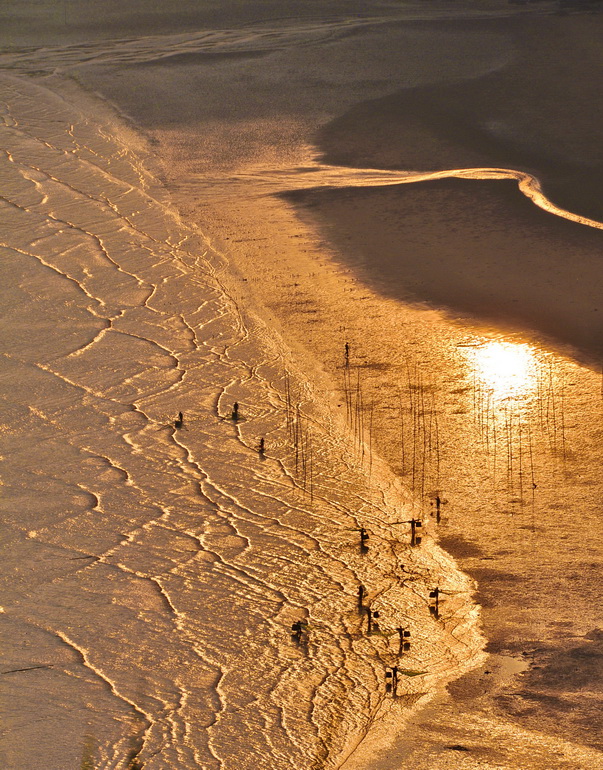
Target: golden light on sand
{"x": 505, "y": 369}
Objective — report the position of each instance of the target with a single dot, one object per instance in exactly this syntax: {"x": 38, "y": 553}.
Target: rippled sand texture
{"x": 151, "y": 570}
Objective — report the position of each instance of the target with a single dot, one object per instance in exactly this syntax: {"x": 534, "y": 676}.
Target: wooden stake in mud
{"x": 361, "y": 595}
{"x": 391, "y": 680}
{"x": 437, "y": 443}
{"x": 370, "y": 468}
{"x": 358, "y": 416}
{"x": 415, "y": 539}
{"x": 363, "y": 540}
{"x": 423, "y": 431}
{"x": 413, "y": 414}
{"x": 520, "y": 467}
{"x": 553, "y": 408}
{"x": 288, "y": 405}
{"x": 402, "y": 450}
{"x": 347, "y": 392}
{"x": 372, "y": 617}
{"x": 297, "y": 434}
{"x": 297, "y": 629}
{"x": 311, "y": 469}
{"x": 533, "y": 480}
{"x": 304, "y": 458}
{"x": 434, "y": 599}
{"x": 562, "y": 409}
{"x": 404, "y": 635}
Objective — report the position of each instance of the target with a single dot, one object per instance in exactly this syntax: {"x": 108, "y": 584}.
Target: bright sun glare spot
{"x": 506, "y": 369}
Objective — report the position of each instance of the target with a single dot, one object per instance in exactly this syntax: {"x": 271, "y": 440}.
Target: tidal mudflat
{"x": 303, "y": 395}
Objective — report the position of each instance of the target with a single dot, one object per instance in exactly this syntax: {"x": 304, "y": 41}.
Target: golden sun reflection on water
{"x": 505, "y": 369}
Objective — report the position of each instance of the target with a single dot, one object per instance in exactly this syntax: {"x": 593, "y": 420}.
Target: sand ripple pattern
{"x": 152, "y": 570}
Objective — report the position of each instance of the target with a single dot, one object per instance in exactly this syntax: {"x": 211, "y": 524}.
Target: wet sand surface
{"x": 423, "y": 282}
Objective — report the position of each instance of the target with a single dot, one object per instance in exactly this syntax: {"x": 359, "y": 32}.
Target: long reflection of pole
{"x": 505, "y": 377}
{"x": 562, "y": 398}
{"x": 495, "y": 450}
{"x": 419, "y": 433}
{"x": 533, "y": 479}
{"x": 520, "y": 467}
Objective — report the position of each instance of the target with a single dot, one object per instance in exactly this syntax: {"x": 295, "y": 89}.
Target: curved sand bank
{"x": 456, "y": 246}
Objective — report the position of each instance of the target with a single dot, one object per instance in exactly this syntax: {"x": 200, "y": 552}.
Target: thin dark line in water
{"x": 29, "y": 668}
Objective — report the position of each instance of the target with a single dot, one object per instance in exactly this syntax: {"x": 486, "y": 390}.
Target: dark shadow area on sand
{"x": 541, "y": 112}
{"x": 563, "y": 690}
{"x": 476, "y": 249}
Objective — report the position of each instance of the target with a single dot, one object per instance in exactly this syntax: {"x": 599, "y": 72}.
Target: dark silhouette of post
{"x": 179, "y": 421}
{"x": 347, "y": 354}
{"x": 415, "y": 539}
{"x": 372, "y": 624}
{"x": 391, "y": 680}
{"x": 261, "y": 446}
{"x": 235, "y": 412}
{"x": 434, "y": 607}
{"x": 404, "y": 635}
{"x": 360, "y": 597}
{"x": 298, "y": 628}
{"x": 363, "y": 540}
{"x": 438, "y": 502}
